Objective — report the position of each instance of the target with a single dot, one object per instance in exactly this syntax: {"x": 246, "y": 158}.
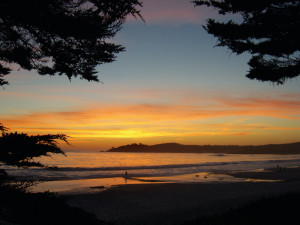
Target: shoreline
{"x": 284, "y": 174}
{"x": 175, "y": 203}
{"x": 150, "y": 201}
{"x": 82, "y": 186}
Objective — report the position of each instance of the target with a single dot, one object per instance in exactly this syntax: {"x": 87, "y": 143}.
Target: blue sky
{"x": 170, "y": 85}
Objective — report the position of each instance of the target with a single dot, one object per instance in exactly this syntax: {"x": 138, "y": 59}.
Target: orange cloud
{"x": 187, "y": 120}
{"x": 147, "y": 113}
{"x": 143, "y": 114}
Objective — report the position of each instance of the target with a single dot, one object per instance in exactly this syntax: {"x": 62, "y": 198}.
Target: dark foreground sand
{"x": 164, "y": 204}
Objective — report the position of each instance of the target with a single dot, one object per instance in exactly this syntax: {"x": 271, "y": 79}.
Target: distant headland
{"x": 290, "y": 148}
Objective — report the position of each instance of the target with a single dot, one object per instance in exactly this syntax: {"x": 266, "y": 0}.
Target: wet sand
{"x": 271, "y": 174}
{"x": 169, "y": 203}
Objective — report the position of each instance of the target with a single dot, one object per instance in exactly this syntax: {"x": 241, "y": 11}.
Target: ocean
{"x": 80, "y": 171}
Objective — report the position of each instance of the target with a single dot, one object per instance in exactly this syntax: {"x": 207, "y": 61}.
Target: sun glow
{"x": 223, "y": 121}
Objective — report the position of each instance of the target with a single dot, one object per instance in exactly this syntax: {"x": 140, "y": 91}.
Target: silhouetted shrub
{"x": 18, "y": 149}
{"x": 21, "y": 207}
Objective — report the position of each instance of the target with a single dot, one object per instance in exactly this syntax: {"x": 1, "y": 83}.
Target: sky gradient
{"x": 171, "y": 85}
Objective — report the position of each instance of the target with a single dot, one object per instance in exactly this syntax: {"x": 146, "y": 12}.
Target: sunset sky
{"x": 171, "y": 85}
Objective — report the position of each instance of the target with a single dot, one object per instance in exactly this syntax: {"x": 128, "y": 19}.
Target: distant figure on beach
{"x": 126, "y": 176}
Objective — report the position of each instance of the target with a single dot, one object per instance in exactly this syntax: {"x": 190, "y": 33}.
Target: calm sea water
{"x": 80, "y": 169}
{"x": 78, "y": 165}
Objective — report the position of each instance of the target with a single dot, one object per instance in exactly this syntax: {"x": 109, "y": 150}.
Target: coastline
{"x": 186, "y": 203}
{"x": 177, "y": 199}
{"x": 280, "y": 149}
{"x": 286, "y": 174}
{"x": 82, "y": 186}
{"x": 91, "y": 185}
{"x": 175, "y": 203}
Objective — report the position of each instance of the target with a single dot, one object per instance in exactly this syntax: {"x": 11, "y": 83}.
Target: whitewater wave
{"x": 75, "y": 173}
{"x": 211, "y": 164}
{"x": 138, "y": 167}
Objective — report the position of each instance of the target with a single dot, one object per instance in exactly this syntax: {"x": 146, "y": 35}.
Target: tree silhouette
{"x": 269, "y": 31}
{"x": 18, "y": 149}
{"x": 2, "y": 128}
{"x": 68, "y": 37}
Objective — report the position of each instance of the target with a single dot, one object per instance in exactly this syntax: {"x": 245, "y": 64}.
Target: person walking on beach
{"x": 126, "y": 176}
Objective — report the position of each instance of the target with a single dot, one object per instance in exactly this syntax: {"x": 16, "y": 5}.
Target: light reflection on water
{"x": 110, "y": 159}
{"x": 84, "y": 170}
{"x": 97, "y": 185}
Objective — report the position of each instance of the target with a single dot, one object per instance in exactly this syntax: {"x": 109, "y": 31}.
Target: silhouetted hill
{"x": 291, "y": 148}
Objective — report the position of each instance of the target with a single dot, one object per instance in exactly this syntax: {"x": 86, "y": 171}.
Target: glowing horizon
{"x": 171, "y": 85}
{"x": 189, "y": 117}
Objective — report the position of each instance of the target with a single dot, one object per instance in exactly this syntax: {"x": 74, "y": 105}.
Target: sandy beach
{"x": 169, "y": 203}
